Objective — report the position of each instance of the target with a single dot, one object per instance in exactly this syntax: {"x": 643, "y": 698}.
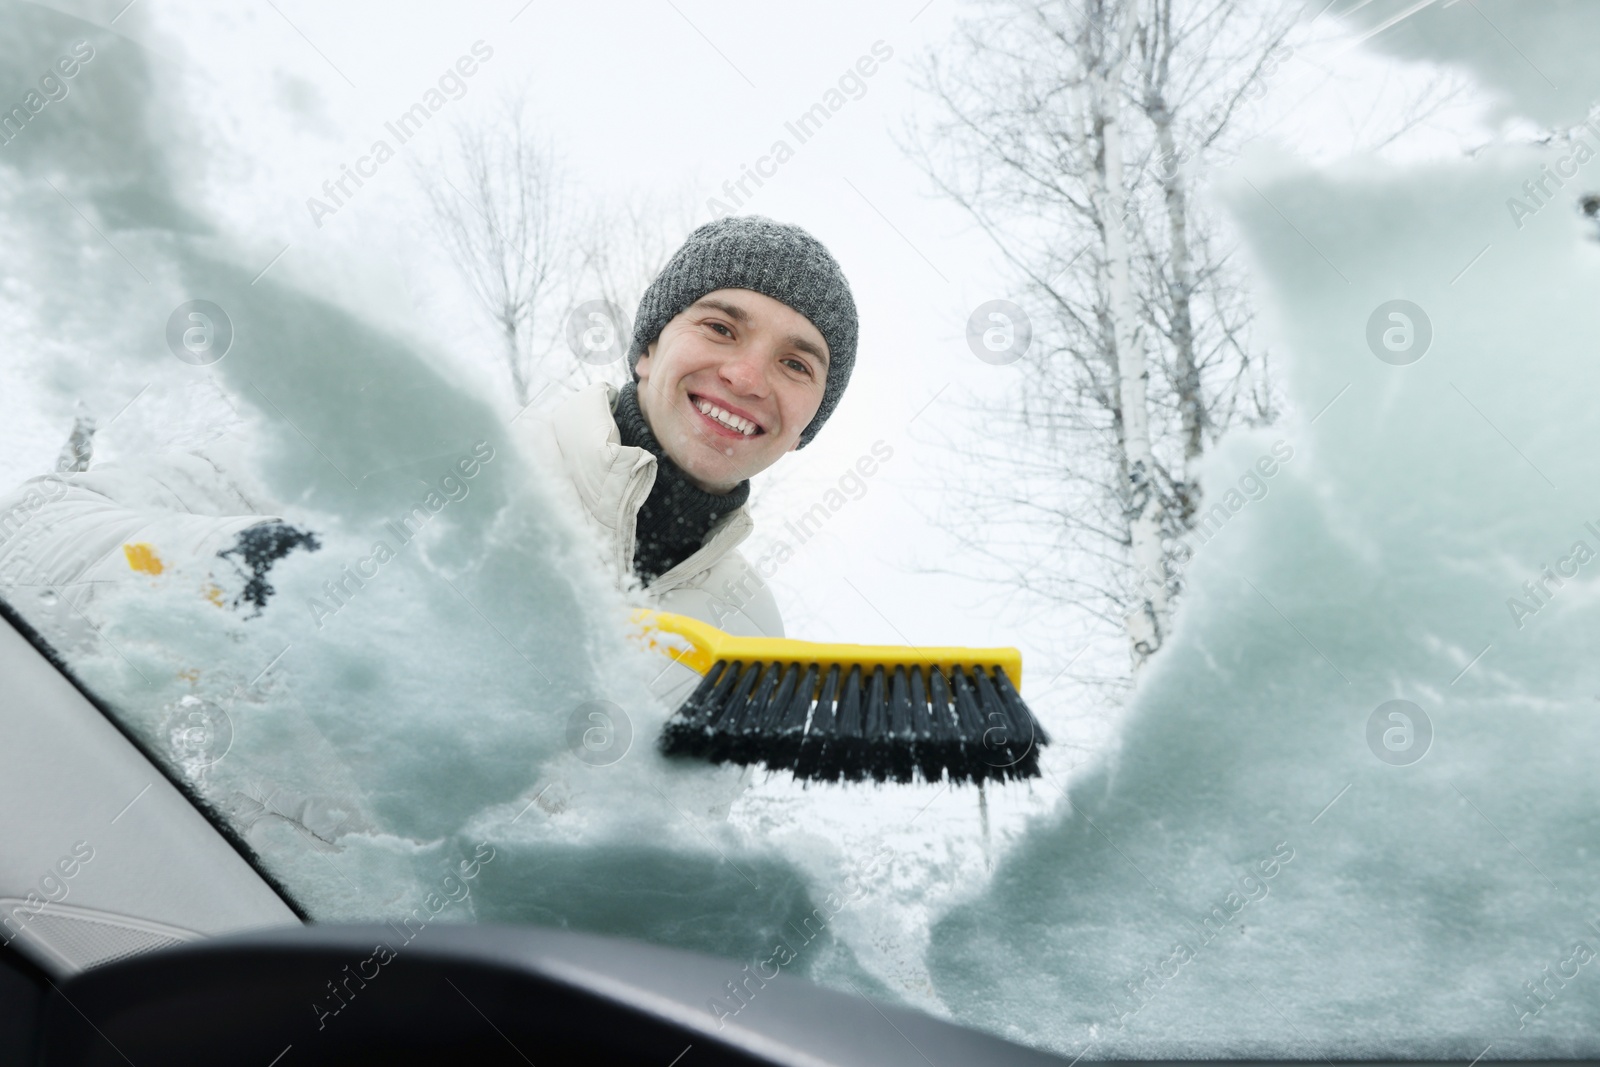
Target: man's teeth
{"x": 728, "y": 419}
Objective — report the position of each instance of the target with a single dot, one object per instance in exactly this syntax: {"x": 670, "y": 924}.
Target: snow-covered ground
{"x": 1249, "y": 862}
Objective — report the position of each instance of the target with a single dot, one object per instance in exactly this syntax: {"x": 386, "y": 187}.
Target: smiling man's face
{"x": 754, "y": 358}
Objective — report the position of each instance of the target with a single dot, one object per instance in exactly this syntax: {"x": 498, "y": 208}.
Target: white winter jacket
{"x": 580, "y": 447}
{"x": 581, "y": 443}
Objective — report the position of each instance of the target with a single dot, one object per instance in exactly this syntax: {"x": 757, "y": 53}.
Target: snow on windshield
{"x": 1348, "y": 811}
{"x": 1351, "y": 811}
{"x": 321, "y": 579}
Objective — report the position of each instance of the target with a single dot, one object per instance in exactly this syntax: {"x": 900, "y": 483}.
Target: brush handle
{"x": 707, "y": 645}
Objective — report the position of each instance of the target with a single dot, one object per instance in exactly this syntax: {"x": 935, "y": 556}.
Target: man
{"x": 741, "y": 349}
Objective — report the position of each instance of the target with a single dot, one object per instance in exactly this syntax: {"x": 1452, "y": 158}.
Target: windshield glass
{"x": 1226, "y": 359}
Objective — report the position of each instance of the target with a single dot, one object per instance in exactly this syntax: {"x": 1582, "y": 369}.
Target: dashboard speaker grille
{"x": 75, "y": 939}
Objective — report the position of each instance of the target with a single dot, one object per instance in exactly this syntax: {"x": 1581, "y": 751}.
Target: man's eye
{"x": 801, "y": 364}
{"x": 720, "y": 326}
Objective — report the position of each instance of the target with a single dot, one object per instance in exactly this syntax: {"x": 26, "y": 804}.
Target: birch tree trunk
{"x": 1147, "y": 616}
{"x": 519, "y": 379}
{"x": 1185, "y": 367}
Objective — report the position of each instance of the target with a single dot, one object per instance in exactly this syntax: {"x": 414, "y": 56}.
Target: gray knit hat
{"x": 773, "y": 258}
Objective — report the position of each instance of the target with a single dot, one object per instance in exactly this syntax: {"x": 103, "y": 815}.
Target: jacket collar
{"x": 613, "y": 480}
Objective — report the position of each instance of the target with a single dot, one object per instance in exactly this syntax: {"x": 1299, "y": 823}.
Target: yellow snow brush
{"x": 828, "y": 712}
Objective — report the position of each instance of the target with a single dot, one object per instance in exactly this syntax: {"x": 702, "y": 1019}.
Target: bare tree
{"x": 621, "y": 247}
{"x": 503, "y": 213}
{"x": 1070, "y": 133}
{"x": 559, "y": 274}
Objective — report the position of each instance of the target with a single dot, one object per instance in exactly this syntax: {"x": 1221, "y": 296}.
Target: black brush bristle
{"x": 744, "y": 744}
{"x": 875, "y": 727}
{"x": 1004, "y": 743}
{"x": 845, "y": 757}
{"x": 1025, "y": 725}
{"x": 1008, "y": 693}
{"x": 970, "y": 721}
{"x": 767, "y": 708}
{"x": 719, "y": 739}
{"x": 899, "y": 739}
{"x": 961, "y": 724}
{"x": 784, "y": 748}
{"x": 686, "y": 734}
{"x": 924, "y": 750}
{"x": 946, "y": 729}
{"x": 809, "y": 764}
